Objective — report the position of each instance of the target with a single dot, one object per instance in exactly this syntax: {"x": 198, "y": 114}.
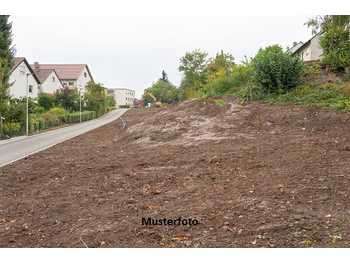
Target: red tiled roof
{"x": 42, "y": 74}
{"x": 18, "y": 60}
{"x": 65, "y": 71}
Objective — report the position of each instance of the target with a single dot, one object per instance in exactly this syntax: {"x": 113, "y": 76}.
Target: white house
{"x": 22, "y": 77}
{"x": 71, "y": 75}
{"x": 311, "y": 50}
{"x": 123, "y": 96}
{"x": 49, "y": 80}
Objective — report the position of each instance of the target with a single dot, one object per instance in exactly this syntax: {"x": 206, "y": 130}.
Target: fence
{"x": 38, "y": 123}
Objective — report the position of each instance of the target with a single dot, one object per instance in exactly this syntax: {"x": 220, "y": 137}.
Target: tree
{"x": 96, "y": 97}
{"x": 163, "y": 90}
{"x": 335, "y": 39}
{"x": 193, "y": 65}
{"x": 276, "y": 71}
{"x": 164, "y": 76}
{"x": 46, "y": 101}
{"x": 68, "y": 99}
{"x": 6, "y": 57}
{"x": 220, "y": 66}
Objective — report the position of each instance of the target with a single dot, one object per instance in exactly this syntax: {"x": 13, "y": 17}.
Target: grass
{"x": 219, "y": 102}
{"x": 334, "y": 96}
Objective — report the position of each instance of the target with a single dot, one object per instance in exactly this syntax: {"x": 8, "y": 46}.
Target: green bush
{"x": 58, "y": 111}
{"x": 276, "y": 71}
{"x": 46, "y": 101}
{"x": 327, "y": 95}
{"x": 220, "y": 86}
{"x": 11, "y": 129}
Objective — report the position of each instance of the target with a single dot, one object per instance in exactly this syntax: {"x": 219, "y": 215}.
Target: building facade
{"x": 70, "y": 75}
{"x": 311, "y": 50}
{"x": 23, "y": 78}
{"x": 123, "y": 96}
{"x": 49, "y": 80}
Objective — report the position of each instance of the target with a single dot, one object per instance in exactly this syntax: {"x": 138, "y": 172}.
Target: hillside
{"x": 254, "y": 175}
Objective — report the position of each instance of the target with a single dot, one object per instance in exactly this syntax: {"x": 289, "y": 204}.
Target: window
{"x": 53, "y": 79}
{"x": 30, "y": 88}
{"x": 71, "y": 83}
{"x": 85, "y": 75}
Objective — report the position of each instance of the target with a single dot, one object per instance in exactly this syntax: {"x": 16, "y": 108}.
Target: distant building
{"x": 123, "y": 96}
{"x": 311, "y": 50}
{"x": 49, "y": 80}
{"x": 71, "y": 75}
{"x": 23, "y": 78}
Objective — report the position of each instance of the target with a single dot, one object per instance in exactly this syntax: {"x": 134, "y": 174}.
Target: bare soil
{"x": 254, "y": 175}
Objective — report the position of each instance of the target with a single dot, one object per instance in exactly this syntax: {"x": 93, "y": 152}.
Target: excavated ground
{"x": 254, "y": 175}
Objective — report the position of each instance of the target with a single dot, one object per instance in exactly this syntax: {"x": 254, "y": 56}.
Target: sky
{"x": 131, "y": 49}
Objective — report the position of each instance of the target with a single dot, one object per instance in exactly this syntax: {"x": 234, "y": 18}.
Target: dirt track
{"x": 254, "y": 176}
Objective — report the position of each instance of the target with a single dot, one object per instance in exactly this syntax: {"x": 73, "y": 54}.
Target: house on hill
{"x": 70, "y": 75}
{"x": 23, "y": 79}
{"x": 49, "y": 80}
{"x": 311, "y": 50}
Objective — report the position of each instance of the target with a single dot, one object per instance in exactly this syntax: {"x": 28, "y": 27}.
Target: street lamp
{"x": 27, "y": 111}
{"x": 80, "y": 103}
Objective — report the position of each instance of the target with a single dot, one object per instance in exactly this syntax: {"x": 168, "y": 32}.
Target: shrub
{"x": 164, "y": 92}
{"x": 58, "y": 111}
{"x": 327, "y": 95}
{"x": 46, "y": 101}
{"x": 11, "y": 129}
{"x": 68, "y": 98}
{"x": 220, "y": 86}
{"x": 276, "y": 71}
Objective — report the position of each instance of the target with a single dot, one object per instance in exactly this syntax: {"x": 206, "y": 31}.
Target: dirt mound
{"x": 252, "y": 175}
{"x": 190, "y": 123}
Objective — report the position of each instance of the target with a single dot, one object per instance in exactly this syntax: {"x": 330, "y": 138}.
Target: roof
{"x": 295, "y": 47}
{"x": 43, "y": 74}
{"x": 18, "y": 60}
{"x": 306, "y": 43}
{"x": 66, "y": 71}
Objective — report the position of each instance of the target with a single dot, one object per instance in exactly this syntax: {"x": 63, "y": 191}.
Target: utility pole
{"x": 27, "y": 111}
{"x": 80, "y": 103}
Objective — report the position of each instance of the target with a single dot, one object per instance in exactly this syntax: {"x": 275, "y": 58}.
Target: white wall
{"x": 313, "y": 51}
{"x": 83, "y": 79}
{"x": 51, "y": 84}
{"x": 18, "y": 79}
{"x": 124, "y": 97}
{"x": 316, "y": 49}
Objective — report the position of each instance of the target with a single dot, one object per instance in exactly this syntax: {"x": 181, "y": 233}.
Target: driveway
{"x": 18, "y": 148}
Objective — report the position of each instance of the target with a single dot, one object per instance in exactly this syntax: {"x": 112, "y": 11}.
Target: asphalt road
{"x": 18, "y": 148}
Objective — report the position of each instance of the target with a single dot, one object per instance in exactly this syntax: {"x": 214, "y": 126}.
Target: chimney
{"x": 36, "y": 66}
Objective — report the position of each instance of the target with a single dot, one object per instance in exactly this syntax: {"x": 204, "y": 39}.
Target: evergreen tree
{"x": 6, "y": 58}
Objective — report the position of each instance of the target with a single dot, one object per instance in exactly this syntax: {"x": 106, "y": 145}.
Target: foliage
{"x": 163, "y": 91}
{"x": 311, "y": 69}
{"x": 276, "y": 71}
{"x": 220, "y": 66}
{"x": 67, "y": 98}
{"x": 219, "y": 102}
{"x": 335, "y": 42}
{"x": 193, "y": 65}
{"x": 335, "y": 39}
{"x": 11, "y": 129}
{"x": 46, "y": 101}
{"x": 58, "y": 111}
{"x": 96, "y": 98}
{"x": 326, "y": 95}
{"x": 6, "y": 57}
{"x": 110, "y": 101}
